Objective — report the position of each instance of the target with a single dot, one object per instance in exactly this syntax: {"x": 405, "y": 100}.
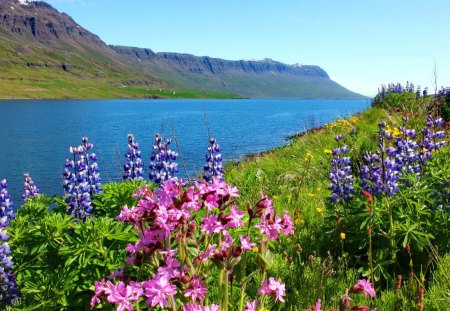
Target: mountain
{"x": 46, "y": 54}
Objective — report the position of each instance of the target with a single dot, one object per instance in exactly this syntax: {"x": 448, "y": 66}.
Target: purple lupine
{"x": 341, "y": 178}
{"x": 162, "y": 165}
{"x": 29, "y": 188}
{"x": 81, "y": 180}
{"x": 379, "y": 175}
{"x": 432, "y": 139}
{"x": 133, "y": 168}
{"x": 8, "y": 286}
{"x": 406, "y": 153}
{"x": 418, "y": 92}
{"x": 213, "y": 167}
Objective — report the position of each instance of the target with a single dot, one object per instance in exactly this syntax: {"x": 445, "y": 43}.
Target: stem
{"x": 241, "y": 301}
{"x": 370, "y": 246}
{"x": 225, "y": 301}
{"x": 219, "y": 289}
{"x": 391, "y": 228}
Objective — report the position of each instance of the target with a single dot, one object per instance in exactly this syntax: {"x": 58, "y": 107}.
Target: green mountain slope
{"x": 46, "y": 54}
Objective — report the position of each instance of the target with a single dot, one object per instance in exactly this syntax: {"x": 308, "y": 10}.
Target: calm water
{"x": 35, "y": 135}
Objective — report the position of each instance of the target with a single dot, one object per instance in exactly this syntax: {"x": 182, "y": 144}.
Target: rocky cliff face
{"x": 209, "y": 65}
{"x": 45, "y": 24}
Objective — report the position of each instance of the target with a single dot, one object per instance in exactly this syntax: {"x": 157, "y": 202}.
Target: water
{"x": 35, "y": 135}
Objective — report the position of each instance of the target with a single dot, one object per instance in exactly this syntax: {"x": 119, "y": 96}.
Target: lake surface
{"x": 35, "y": 135}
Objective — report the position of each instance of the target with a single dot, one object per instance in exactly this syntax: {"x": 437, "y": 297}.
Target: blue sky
{"x": 360, "y": 43}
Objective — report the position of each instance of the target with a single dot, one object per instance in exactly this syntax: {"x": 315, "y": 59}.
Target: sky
{"x": 360, "y": 43}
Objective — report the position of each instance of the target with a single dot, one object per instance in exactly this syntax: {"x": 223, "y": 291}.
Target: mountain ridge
{"x": 47, "y": 54}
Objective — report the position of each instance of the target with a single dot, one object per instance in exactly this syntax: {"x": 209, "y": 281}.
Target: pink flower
{"x": 227, "y": 241}
{"x": 204, "y": 256}
{"x": 122, "y": 295}
{"x": 192, "y": 307}
{"x": 211, "y": 225}
{"x": 170, "y": 270}
{"x": 246, "y": 245}
{"x": 211, "y": 202}
{"x": 196, "y": 289}
{"x": 287, "y": 224}
{"x": 158, "y": 290}
{"x": 99, "y": 288}
{"x": 270, "y": 228}
{"x": 363, "y": 286}
{"x": 319, "y": 305}
{"x": 273, "y": 288}
{"x": 211, "y": 308}
{"x": 251, "y": 306}
{"x": 234, "y": 218}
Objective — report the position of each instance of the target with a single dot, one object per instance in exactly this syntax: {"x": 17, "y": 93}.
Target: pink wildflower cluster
{"x": 273, "y": 288}
{"x": 167, "y": 223}
{"x": 361, "y": 287}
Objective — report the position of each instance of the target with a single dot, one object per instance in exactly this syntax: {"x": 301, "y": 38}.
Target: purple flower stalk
{"x": 29, "y": 188}
{"x": 133, "y": 168}
{"x": 81, "y": 180}
{"x": 162, "y": 165}
{"x": 341, "y": 178}
{"x": 380, "y": 173}
{"x": 8, "y": 286}
{"x": 213, "y": 167}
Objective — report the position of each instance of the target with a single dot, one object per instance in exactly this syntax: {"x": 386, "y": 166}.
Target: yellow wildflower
{"x": 308, "y": 156}
{"x": 342, "y": 236}
{"x": 255, "y": 249}
{"x": 312, "y": 195}
{"x": 275, "y": 197}
{"x": 318, "y": 189}
{"x": 327, "y": 151}
{"x": 319, "y": 210}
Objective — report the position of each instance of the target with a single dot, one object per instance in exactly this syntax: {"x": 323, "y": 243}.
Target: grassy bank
{"x": 324, "y": 257}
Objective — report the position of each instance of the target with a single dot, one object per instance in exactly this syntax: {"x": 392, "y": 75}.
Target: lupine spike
{"x": 8, "y": 286}
{"x": 341, "y": 178}
{"x": 213, "y": 167}
{"x": 81, "y": 180}
{"x": 29, "y": 188}
{"x": 133, "y": 168}
{"x": 162, "y": 162}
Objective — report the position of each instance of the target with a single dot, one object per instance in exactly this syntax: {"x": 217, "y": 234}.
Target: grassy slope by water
{"x": 297, "y": 177}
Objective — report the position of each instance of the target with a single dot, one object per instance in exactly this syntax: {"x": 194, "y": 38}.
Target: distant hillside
{"x": 46, "y": 54}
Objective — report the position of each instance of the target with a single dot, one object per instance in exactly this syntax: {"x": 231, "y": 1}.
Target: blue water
{"x": 35, "y": 135}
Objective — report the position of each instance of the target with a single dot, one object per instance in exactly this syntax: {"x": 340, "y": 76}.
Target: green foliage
{"x": 437, "y": 297}
{"x": 405, "y": 102}
{"x": 115, "y": 196}
{"x": 57, "y": 260}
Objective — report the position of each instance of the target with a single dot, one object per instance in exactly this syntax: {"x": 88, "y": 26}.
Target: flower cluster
{"x": 172, "y": 219}
{"x": 81, "y": 180}
{"x": 381, "y": 171}
{"x": 213, "y": 167}
{"x": 133, "y": 169}
{"x": 398, "y": 88}
{"x": 361, "y": 287}
{"x": 29, "y": 188}
{"x": 341, "y": 178}
{"x": 432, "y": 139}
{"x": 8, "y": 287}
{"x": 406, "y": 150}
{"x": 162, "y": 165}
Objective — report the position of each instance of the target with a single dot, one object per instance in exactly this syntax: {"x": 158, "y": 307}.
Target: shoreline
{"x": 290, "y": 138}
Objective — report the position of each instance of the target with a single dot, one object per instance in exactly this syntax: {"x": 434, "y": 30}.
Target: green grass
{"x": 45, "y": 83}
